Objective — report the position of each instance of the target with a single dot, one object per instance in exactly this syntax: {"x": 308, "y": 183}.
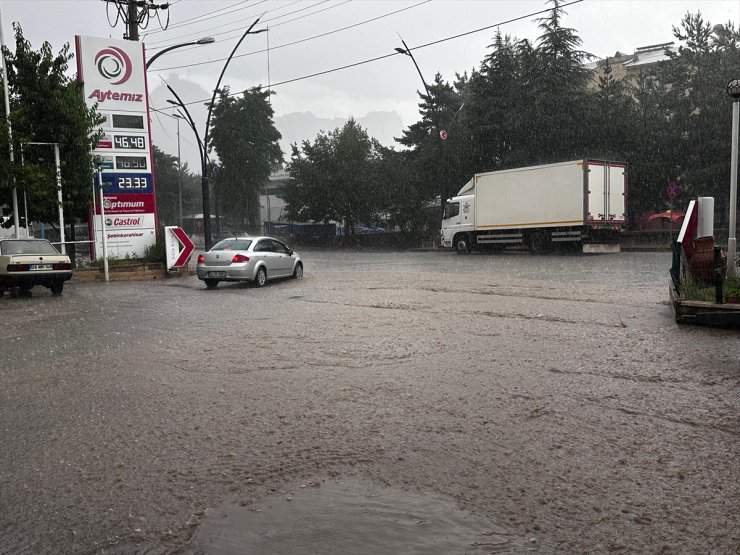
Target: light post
{"x": 733, "y": 89}
{"x": 205, "y": 186}
{"x": 204, "y": 40}
{"x": 441, "y": 135}
{"x": 204, "y": 174}
{"x": 185, "y": 115}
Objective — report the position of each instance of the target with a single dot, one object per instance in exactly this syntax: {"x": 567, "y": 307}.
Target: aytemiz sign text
{"x": 102, "y": 96}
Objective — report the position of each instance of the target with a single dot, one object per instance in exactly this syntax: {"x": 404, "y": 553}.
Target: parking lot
{"x": 553, "y": 397}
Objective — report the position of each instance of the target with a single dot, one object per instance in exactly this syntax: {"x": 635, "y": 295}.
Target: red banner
{"x": 127, "y": 203}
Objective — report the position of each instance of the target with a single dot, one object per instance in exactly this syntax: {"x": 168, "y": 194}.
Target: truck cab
{"x": 458, "y": 222}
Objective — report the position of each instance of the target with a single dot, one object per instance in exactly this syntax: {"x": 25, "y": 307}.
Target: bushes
{"x": 156, "y": 252}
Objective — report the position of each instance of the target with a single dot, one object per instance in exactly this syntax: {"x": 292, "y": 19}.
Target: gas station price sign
{"x": 129, "y": 142}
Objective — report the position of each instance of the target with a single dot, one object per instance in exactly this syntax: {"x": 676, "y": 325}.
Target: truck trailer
{"x": 582, "y": 202}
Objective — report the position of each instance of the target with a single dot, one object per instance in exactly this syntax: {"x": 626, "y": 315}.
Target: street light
{"x": 204, "y": 169}
{"x": 185, "y": 115}
{"x": 442, "y": 135}
{"x": 204, "y": 40}
{"x": 733, "y": 89}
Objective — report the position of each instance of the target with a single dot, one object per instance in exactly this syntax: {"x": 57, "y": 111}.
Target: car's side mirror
{"x": 290, "y": 252}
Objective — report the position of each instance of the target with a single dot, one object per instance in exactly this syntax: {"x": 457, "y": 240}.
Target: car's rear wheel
{"x": 298, "y": 272}
{"x": 211, "y": 283}
{"x": 56, "y": 288}
{"x": 261, "y": 278}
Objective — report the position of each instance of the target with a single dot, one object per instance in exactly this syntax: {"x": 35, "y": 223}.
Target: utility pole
{"x": 16, "y": 223}
{"x": 134, "y": 14}
{"x": 133, "y": 20}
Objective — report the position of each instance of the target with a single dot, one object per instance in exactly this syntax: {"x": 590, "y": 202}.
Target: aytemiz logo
{"x": 115, "y": 65}
{"x": 112, "y": 63}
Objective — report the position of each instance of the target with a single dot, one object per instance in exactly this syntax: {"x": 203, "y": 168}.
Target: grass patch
{"x": 154, "y": 254}
{"x": 692, "y": 290}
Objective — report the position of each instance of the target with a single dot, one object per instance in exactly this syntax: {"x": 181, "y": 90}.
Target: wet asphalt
{"x": 553, "y": 397}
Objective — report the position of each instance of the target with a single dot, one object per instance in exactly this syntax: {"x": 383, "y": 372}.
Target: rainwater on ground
{"x": 551, "y": 401}
{"x": 335, "y": 517}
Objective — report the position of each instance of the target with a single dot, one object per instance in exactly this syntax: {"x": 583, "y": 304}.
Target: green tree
{"x": 408, "y": 205}
{"x": 611, "y": 114}
{"x": 335, "y": 178}
{"x": 493, "y": 101}
{"x": 46, "y": 106}
{"x": 434, "y": 160}
{"x": 695, "y": 79}
{"x": 554, "y": 94}
{"x": 679, "y": 127}
{"x": 246, "y": 141}
{"x": 653, "y": 153}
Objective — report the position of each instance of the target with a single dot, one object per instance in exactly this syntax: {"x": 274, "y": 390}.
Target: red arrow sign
{"x": 187, "y": 247}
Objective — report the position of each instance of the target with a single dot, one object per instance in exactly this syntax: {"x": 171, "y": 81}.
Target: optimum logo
{"x": 113, "y": 64}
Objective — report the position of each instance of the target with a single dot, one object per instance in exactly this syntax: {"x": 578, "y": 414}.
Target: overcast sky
{"x": 372, "y": 30}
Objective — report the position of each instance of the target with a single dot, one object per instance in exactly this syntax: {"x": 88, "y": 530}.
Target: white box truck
{"x": 581, "y": 202}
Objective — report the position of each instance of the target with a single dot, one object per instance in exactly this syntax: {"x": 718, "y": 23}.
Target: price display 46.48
{"x": 129, "y": 142}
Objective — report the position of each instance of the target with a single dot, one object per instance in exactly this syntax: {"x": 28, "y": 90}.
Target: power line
{"x": 300, "y": 40}
{"x": 198, "y": 17}
{"x": 248, "y": 18}
{"x": 202, "y": 18}
{"x": 370, "y": 60}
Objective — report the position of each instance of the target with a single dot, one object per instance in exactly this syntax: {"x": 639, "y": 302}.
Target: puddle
{"x": 351, "y": 516}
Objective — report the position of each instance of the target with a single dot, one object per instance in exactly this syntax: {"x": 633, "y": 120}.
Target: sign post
{"x": 174, "y": 238}
{"x": 102, "y": 225}
{"x": 672, "y": 192}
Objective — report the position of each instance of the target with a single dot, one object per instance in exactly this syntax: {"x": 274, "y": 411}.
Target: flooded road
{"x": 552, "y": 400}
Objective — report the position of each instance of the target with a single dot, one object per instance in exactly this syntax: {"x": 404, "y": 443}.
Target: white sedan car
{"x": 254, "y": 259}
{"x": 25, "y": 263}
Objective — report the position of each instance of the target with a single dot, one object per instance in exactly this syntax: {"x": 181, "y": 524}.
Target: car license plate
{"x": 216, "y": 274}
{"x": 41, "y": 267}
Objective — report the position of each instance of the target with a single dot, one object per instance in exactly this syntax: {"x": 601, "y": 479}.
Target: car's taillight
{"x": 201, "y": 259}
{"x": 62, "y": 266}
{"x": 239, "y": 258}
{"x": 18, "y": 267}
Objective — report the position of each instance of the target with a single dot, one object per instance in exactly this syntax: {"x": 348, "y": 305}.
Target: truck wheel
{"x": 539, "y": 242}
{"x": 461, "y": 244}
